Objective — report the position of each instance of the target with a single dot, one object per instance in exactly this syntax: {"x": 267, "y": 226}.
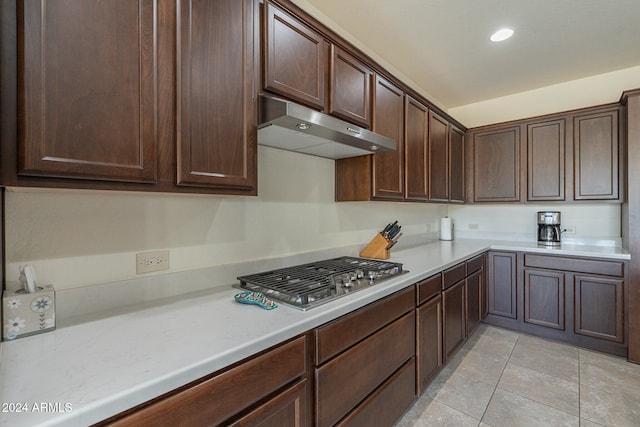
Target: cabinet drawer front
{"x": 453, "y": 275}
{"x": 429, "y": 287}
{"x": 388, "y": 403}
{"x": 474, "y": 264}
{"x": 344, "y": 332}
{"x": 347, "y": 379}
{"x": 216, "y": 399}
{"x": 578, "y": 265}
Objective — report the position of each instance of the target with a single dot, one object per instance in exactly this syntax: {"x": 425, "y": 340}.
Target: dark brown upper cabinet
{"x": 416, "y": 153}
{"x": 388, "y": 115}
{"x": 87, "y": 100}
{"x": 350, "y": 88}
{"x": 496, "y": 165}
{"x": 596, "y": 155}
{"x": 216, "y": 107}
{"x": 456, "y": 164}
{"x": 295, "y": 58}
{"x": 546, "y": 160}
{"x": 438, "y": 158}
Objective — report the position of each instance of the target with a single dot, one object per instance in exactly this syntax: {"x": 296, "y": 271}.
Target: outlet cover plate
{"x": 147, "y": 262}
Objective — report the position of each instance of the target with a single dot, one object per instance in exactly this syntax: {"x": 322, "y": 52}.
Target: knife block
{"x": 377, "y": 248}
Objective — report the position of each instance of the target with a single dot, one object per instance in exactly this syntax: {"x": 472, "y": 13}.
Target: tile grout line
{"x": 499, "y": 378}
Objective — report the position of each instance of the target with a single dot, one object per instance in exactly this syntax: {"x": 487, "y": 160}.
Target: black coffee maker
{"x": 549, "y": 228}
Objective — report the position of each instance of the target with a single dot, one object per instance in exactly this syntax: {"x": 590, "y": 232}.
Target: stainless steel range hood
{"x": 290, "y": 126}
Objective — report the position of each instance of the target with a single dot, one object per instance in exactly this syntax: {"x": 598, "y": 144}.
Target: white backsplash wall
{"x": 593, "y": 222}
{"x": 78, "y": 238}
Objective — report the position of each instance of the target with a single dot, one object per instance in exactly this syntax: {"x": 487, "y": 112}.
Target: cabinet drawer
{"x": 453, "y": 275}
{"x": 474, "y": 264}
{"x": 216, "y": 399}
{"x": 429, "y": 287}
{"x": 578, "y": 265}
{"x": 346, "y": 331}
{"x": 347, "y": 379}
{"x": 387, "y": 404}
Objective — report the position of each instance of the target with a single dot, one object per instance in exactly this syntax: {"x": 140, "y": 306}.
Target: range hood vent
{"x": 290, "y": 126}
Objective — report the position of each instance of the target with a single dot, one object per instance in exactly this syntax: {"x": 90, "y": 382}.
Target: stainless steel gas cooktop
{"x": 309, "y": 285}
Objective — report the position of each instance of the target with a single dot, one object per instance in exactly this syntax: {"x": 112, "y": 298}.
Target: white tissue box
{"x": 25, "y": 314}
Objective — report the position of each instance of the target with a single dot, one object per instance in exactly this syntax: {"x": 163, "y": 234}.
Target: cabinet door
{"x": 502, "y": 284}
{"x": 429, "y": 341}
{"x": 288, "y": 408}
{"x": 544, "y": 302}
{"x": 496, "y": 165}
{"x": 596, "y": 156}
{"x": 546, "y": 161}
{"x": 416, "y": 154}
{"x": 216, "y": 109}
{"x": 456, "y": 165}
{"x": 438, "y": 158}
{"x": 350, "y": 97}
{"x": 87, "y": 91}
{"x": 599, "y": 307}
{"x": 295, "y": 58}
{"x": 474, "y": 301}
{"x": 388, "y": 114}
{"x": 454, "y": 319}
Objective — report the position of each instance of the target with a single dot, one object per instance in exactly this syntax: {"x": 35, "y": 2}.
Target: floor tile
{"x": 464, "y": 394}
{"x": 492, "y": 340}
{"x": 429, "y": 413}
{"x": 478, "y": 365}
{"x": 609, "y": 409}
{"x": 609, "y": 373}
{"x": 508, "y": 409}
{"x": 586, "y": 423}
{"x": 543, "y": 388}
{"x": 544, "y": 356}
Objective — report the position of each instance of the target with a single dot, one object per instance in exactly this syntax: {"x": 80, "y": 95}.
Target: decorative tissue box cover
{"x": 26, "y": 314}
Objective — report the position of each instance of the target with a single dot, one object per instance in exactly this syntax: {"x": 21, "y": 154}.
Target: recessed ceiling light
{"x": 501, "y": 34}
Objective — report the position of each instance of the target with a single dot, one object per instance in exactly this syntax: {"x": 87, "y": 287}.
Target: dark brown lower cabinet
{"x": 599, "y": 307}
{"x": 454, "y": 319}
{"x": 429, "y": 341}
{"x": 544, "y": 298}
{"x": 501, "y": 284}
{"x": 576, "y": 300}
{"x": 243, "y": 390}
{"x": 474, "y": 300}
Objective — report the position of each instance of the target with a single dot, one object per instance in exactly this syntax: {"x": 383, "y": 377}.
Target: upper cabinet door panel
{"x": 295, "y": 58}
{"x": 416, "y": 157}
{"x": 596, "y": 156}
{"x": 350, "y": 97}
{"x": 388, "y": 168}
{"x": 216, "y": 108}
{"x": 87, "y": 89}
{"x": 545, "y": 161}
{"x": 438, "y": 158}
{"x": 496, "y": 165}
{"x": 456, "y": 165}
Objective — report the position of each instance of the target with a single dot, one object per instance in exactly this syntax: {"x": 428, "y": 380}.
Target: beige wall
{"x": 77, "y": 238}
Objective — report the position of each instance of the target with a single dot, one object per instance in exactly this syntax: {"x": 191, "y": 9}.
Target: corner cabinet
{"x": 88, "y": 105}
{"x": 576, "y": 300}
{"x": 216, "y": 108}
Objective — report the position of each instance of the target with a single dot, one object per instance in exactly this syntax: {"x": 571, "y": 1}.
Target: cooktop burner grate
{"x": 316, "y": 282}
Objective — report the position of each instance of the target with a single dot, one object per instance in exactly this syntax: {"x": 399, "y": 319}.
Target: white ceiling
{"x": 443, "y": 45}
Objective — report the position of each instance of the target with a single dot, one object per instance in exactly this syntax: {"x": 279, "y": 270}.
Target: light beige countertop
{"x": 89, "y": 371}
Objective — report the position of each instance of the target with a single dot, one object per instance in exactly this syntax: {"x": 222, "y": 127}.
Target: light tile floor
{"x": 503, "y": 378}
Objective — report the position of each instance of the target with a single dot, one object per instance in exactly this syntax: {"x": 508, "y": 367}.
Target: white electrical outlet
{"x": 474, "y": 226}
{"x": 569, "y": 229}
{"x": 146, "y": 262}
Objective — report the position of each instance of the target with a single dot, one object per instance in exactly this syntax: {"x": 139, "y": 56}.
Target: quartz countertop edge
{"x": 87, "y": 372}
